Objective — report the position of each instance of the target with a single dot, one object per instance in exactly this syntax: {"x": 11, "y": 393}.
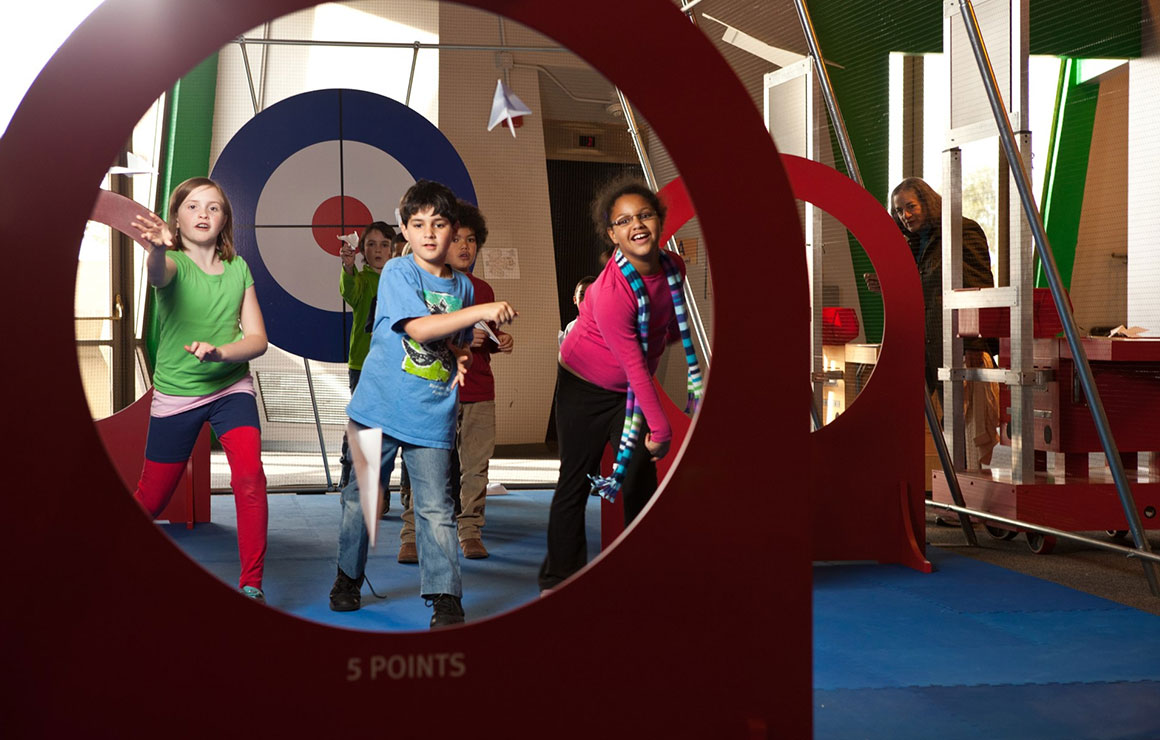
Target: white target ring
{"x": 289, "y": 226}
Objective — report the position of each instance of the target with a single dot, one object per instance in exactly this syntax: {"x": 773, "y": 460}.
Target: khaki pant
{"x": 980, "y": 413}
{"x": 475, "y": 440}
{"x": 476, "y": 446}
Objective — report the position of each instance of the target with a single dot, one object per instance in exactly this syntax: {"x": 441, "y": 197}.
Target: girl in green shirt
{"x": 210, "y": 328}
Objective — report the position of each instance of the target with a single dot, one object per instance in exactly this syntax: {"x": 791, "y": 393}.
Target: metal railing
{"x": 1055, "y": 283}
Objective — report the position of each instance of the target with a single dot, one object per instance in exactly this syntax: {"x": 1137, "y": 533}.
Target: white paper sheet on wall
{"x": 502, "y": 263}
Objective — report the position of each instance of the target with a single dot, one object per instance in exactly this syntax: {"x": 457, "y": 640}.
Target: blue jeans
{"x": 344, "y": 458}
{"x": 435, "y": 529}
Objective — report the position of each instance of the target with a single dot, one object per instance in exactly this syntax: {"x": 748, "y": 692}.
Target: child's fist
{"x": 499, "y": 312}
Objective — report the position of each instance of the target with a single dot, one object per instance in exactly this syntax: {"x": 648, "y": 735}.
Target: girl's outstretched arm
{"x": 160, "y": 266}
{"x": 252, "y": 344}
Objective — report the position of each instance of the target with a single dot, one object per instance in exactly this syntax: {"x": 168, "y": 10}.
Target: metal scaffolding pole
{"x": 844, "y": 144}
{"x": 651, "y": 179}
{"x": 317, "y": 423}
{"x": 1051, "y": 270}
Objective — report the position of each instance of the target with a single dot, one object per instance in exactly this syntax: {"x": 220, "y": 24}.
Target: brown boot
{"x": 408, "y": 553}
{"x": 473, "y": 549}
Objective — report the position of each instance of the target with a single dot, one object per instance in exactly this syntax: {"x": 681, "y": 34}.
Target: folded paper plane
{"x": 483, "y": 325}
{"x": 506, "y": 106}
{"x": 351, "y": 240}
{"x": 366, "y": 446}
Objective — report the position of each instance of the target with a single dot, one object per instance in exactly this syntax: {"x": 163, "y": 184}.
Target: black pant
{"x": 588, "y": 417}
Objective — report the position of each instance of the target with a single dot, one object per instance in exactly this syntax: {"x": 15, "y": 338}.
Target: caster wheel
{"x": 1040, "y": 544}
{"x": 1117, "y": 534}
{"x": 999, "y": 533}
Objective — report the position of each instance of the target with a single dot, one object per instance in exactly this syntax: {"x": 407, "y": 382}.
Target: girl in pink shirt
{"x": 604, "y": 389}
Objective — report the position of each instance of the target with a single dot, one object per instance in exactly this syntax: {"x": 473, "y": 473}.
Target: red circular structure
{"x": 340, "y": 209}
{"x": 700, "y": 613}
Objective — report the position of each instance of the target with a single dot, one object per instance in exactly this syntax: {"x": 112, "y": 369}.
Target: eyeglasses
{"x": 643, "y": 216}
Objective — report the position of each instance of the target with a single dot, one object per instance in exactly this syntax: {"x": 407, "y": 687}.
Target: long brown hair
{"x": 225, "y": 239}
{"x": 930, "y": 200}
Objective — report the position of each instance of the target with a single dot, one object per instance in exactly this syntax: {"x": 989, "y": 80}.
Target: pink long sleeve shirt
{"x": 603, "y": 347}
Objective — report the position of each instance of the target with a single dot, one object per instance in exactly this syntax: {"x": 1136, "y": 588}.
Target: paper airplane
{"x": 366, "y": 446}
{"x": 351, "y": 240}
{"x": 483, "y": 325}
{"x": 506, "y": 106}
{"x": 135, "y": 164}
{"x": 1127, "y": 331}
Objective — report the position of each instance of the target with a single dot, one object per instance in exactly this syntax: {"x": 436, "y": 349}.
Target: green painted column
{"x": 861, "y": 34}
{"x": 185, "y": 150}
{"x": 1065, "y": 174}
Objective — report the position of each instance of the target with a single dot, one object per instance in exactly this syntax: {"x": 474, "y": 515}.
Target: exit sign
{"x": 587, "y": 141}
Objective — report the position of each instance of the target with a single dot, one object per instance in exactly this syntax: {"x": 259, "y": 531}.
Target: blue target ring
{"x": 291, "y": 158}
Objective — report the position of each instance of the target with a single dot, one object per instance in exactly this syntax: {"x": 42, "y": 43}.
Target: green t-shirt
{"x": 359, "y": 291}
{"x": 196, "y": 307}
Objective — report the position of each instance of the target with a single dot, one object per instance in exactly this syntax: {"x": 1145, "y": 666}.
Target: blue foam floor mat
{"x": 302, "y": 547}
{"x": 974, "y": 650}
{"x": 971, "y": 650}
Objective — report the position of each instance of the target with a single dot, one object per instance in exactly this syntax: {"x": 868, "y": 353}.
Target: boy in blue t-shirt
{"x": 417, "y": 359}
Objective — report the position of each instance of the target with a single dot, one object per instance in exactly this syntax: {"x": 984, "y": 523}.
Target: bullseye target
{"x": 307, "y": 170}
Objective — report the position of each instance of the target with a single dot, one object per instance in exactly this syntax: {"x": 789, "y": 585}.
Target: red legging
{"x": 243, "y": 446}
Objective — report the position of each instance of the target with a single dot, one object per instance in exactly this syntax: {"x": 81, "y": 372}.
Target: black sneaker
{"x": 447, "y": 610}
{"x": 344, "y": 594}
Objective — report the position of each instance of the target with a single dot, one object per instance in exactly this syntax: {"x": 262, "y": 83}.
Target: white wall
{"x": 511, "y": 183}
{"x": 1143, "y": 163}
{"x": 1099, "y": 276}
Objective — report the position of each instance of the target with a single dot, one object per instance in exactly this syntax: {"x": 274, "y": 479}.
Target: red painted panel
{"x": 1066, "y": 503}
{"x": 123, "y": 435}
{"x": 720, "y": 645}
{"x": 996, "y": 322}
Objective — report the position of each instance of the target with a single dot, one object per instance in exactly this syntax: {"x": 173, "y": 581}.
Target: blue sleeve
{"x": 400, "y": 298}
{"x": 468, "y": 300}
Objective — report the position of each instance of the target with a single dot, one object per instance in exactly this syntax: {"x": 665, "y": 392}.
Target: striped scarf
{"x": 608, "y": 487}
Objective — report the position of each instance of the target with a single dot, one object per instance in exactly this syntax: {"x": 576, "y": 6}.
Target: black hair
{"x": 382, "y": 227}
{"x": 428, "y": 194}
{"x": 608, "y": 195}
{"x": 471, "y": 217}
{"x": 583, "y": 282}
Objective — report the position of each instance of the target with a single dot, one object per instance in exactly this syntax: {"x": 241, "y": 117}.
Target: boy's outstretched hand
{"x": 346, "y": 254}
{"x": 499, "y": 312}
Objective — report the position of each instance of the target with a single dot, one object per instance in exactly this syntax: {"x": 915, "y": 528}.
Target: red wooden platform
{"x": 123, "y": 434}
{"x": 1069, "y": 496}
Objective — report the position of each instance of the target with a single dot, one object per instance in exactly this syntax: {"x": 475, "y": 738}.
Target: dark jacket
{"x": 976, "y": 274}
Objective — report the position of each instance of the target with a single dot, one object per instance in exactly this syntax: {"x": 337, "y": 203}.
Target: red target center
{"x": 337, "y": 216}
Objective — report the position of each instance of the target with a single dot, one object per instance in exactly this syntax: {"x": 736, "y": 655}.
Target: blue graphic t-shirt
{"x": 405, "y": 387}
